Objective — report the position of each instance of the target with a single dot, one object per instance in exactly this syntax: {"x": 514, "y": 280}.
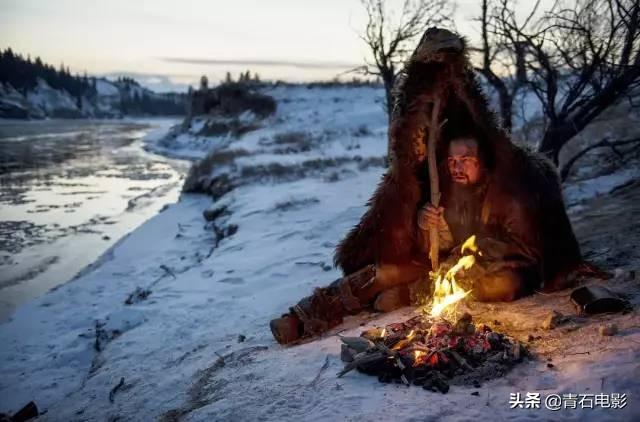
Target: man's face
{"x": 463, "y": 162}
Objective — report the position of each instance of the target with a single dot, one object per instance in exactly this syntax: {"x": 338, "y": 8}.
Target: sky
{"x": 167, "y": 45}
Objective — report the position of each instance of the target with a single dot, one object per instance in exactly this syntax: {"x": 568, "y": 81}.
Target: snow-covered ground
{"x": 198, "y": 347}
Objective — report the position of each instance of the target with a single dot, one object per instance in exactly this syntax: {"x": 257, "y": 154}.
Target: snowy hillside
{"x": 112, "y": 99}
{"x": 176, "y": 315}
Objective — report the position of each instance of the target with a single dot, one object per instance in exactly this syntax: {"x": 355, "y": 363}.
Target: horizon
{"x": 206, "y": 38}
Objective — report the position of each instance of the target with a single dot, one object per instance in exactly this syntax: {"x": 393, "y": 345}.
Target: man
{"x": 509, "y": 267}
{"x": 509, "y": 239}
{"x": 507, "y": 196}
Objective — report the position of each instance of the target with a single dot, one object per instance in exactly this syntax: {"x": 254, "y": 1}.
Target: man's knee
{"x": 391, "y": 275}
{"x": 504, "y": 286}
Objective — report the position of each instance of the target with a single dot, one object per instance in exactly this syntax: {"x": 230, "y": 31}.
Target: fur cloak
{"x": 388, "y": 232}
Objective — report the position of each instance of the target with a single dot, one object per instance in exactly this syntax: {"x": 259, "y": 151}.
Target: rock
{"x": 211, "y": 214}
{"x": 359, "y": 344}
{"x": 608, "y": 330}
{"x": 347, "y": 354}
{"x": 463, "y": 326}
{"x": 241, "y": 338}
{"x": 553, "y": 320}
{"x": 466, "y": 317}
{"x": 495, "y": 340}
{"x": 475, "y": 393}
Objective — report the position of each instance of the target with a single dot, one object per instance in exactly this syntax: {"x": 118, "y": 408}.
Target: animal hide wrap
{"x": 388, "y": 231}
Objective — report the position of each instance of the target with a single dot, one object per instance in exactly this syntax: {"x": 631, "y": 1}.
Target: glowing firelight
{"x": 447, "y": 292}
{"x": 469, "y": 244}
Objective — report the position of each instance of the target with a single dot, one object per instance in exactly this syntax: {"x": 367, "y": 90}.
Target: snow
{"x": 49, "y": 99}
{"x": 106, "y": 88}
{"x": 591, "y": 188}
{"x": 332, "y": 117}
{"x": 168, "y": 347}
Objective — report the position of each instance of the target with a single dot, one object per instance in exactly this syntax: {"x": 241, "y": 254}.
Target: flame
{"x": 411, "y": 335}
{"x": 419, "y": 357}
{"x": 447, "y": 292}
{"x": 469, "y": 244}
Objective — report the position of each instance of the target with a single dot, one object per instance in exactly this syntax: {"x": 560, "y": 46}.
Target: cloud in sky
{"x": 261, "y": 62}
{"x": 176, "y": 42}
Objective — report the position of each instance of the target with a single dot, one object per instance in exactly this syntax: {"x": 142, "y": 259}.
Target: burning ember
{"x": 429, "y": 350}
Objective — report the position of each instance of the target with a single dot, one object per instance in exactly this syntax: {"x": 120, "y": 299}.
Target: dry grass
{"x": 201, "y": 171}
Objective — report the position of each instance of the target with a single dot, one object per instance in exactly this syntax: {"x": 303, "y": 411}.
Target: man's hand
{"x": 430, "y": 216}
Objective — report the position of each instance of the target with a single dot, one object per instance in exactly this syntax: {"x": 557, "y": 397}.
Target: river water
{"x": 70, "y": 189}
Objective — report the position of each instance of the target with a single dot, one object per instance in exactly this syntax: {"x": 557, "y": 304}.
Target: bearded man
{"x": 507, "y": 196}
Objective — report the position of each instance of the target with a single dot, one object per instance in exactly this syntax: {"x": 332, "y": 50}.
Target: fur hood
{"x": 439, "y": 67}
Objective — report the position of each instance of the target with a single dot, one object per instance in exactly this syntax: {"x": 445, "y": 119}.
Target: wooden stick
{"x": 434, "y": 136}
{"x": 461, "y": 361}
{"x": 370, "y": 358}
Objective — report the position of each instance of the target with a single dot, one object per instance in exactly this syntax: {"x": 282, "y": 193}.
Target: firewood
{"x": 361, "y": 360}
{"x": 427, "y": 352}
{"x": 359, "y": 344}
{"x": 460, "y": 360}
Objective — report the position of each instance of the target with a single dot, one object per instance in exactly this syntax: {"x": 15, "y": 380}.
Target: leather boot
{"x": 324, "y": 309}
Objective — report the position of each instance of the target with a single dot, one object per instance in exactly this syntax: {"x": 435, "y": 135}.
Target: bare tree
{"x": 604, "y": 143}
{"x": 502, "y": 61}
{"x": 580, "y": 57}
{"x": 391, "y": 38}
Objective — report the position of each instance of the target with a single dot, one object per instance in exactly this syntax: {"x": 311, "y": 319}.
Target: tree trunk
{"x": 388, "y": 79}
{"x": 554, "y": 139}
{"x": 506, "y": 102}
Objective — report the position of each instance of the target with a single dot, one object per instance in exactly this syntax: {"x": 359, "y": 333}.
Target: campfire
{"x": 430, "y": 350}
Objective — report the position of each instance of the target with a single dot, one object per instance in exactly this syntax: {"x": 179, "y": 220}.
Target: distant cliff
{"x": 34, "y": 90}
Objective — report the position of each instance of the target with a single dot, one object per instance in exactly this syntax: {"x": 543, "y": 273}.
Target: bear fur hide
{"x": 388, "y": 231}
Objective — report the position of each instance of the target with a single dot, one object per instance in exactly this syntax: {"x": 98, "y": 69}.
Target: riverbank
{"x": 69, "y": 190}
{"x": 178, "y": 311}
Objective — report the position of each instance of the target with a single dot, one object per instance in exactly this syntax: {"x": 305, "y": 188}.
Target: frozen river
{"x": 70, "y": 189}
